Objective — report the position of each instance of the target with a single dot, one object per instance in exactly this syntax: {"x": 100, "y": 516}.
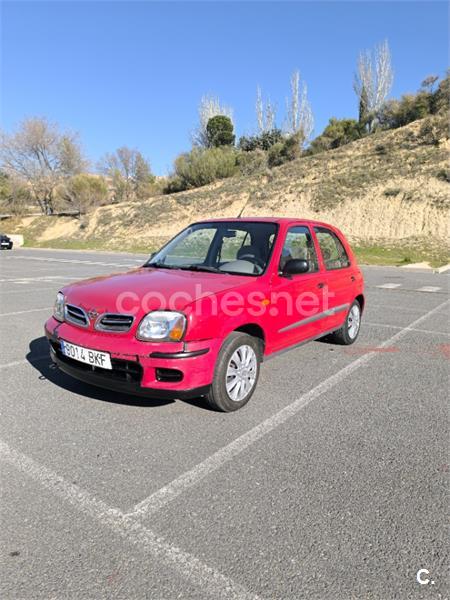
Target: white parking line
{"x": 428, "y": 288}
{"x": 188, "y": 566}
{"x": 190, "y": 478}
{"x": 72, "y": 261}
{"x": 432, "y": 331}
{"x": 403, "y": 308}
{"x": 23, "y": 312}
{"x": 25, "y": 361}
{"x": 44, "y": 278}
{"x": 389, "y": 286}
{"x": 34, "y": 290}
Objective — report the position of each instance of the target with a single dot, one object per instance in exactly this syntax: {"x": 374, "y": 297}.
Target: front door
{"x": 297, "y": 301}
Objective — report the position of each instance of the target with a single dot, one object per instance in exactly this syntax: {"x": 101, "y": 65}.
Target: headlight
{"x": 162, "y": 326}
{"x": 58, "y": 308}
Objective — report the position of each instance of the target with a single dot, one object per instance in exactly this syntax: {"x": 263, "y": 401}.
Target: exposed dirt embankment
{"x": 383, "y": 189}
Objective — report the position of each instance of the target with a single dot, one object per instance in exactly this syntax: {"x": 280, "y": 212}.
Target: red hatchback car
{"x": 200, "y": 316}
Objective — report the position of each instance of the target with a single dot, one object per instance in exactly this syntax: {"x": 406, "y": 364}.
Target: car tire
{"x": 241, "y": 356}
{"x": 348, "y": 333}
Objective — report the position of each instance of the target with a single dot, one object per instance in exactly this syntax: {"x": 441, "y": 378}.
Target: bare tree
{"x": 41, "y": 156}
{"x": 429, "y": 82}
{"x": 209, "y": 107}
{"x": 259, "y": 110}
{"x": 299, "y": 116}
{"x": 373, "y": 82}
{"x": 265, "y": 113}
{"x": 128, "y": 171}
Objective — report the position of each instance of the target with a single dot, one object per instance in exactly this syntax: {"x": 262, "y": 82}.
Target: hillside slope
{"x": 385, "y": 189}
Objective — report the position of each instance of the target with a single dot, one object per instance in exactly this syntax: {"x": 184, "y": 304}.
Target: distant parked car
{"x": 200, "y": 315}
{"x": 6, "y": 242}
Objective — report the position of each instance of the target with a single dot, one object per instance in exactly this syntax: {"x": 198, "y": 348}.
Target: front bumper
{"x": 166, "y": 371}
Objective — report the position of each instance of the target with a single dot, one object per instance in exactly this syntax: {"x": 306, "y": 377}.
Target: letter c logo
{"x": 419, "y": 576}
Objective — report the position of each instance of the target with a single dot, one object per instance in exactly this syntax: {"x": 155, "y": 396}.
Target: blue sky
{"x": 132, "y": 73}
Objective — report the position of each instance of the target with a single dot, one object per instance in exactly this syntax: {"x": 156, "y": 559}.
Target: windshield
{"x": 230, "y": 247}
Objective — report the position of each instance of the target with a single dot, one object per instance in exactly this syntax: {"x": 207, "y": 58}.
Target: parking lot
{"x": 330, "y": 483}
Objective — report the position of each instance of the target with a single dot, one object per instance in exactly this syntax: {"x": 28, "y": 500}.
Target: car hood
{"x": 144, "y": 289}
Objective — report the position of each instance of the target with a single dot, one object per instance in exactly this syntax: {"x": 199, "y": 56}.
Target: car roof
{"x": 279, "y": 220}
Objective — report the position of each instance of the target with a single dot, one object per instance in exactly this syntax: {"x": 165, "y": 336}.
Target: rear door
{"x": 339, "y": 277}
{"x": 296, "y": 301}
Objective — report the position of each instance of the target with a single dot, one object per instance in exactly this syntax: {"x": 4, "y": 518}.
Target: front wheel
{"x": 349, "y": 331}
{"x": 236, "y": 372}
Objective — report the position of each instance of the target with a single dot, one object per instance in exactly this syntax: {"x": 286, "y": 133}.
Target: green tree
{"x": 441, "y": 97}
{"x": 5, "y": 188}
{"x": 337, "y": 133}
{"x": 263, "y": 141}
{"x": 15, "y": 195}
{"x": 220, "y": 132}
{"x": 143, "y": 177}
{"x": 285, "y": 151}
{"x": 398, "y": 113}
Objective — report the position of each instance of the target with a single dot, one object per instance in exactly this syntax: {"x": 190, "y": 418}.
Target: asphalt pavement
{"x": 329, "y": 484}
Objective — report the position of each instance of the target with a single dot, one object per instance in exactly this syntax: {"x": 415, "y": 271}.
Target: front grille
{"x": 114, "y": 322}
{"x": 76, "y": 315}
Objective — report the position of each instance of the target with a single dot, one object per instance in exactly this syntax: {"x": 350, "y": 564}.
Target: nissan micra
{"x": 200, "y": 316}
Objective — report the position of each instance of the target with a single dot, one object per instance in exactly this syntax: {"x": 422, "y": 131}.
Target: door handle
{"x": 321, "y": 285}
{"x": 353, "y": 278}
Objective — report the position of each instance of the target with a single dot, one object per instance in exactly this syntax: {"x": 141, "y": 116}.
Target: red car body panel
{"x": 197, "y": 295}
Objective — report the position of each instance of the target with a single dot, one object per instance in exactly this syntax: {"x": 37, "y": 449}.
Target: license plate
{"x": 85, "y": 355}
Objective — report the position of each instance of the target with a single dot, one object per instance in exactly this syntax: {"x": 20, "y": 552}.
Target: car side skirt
{"x": 297, "y": 344}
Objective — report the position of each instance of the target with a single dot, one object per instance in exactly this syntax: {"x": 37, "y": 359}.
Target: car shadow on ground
{"x": 39, "y": 348}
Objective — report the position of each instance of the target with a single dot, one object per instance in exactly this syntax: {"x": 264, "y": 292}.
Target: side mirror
{"x": 296, "y": 266}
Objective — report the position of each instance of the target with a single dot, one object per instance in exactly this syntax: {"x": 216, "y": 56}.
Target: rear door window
{"x": 333, "y": 252}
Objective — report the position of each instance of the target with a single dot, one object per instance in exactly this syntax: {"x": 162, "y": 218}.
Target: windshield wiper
{"x": 161, "y": 265}
{"x": 205, "y": 268}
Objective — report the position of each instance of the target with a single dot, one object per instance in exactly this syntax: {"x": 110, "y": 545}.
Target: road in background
{"x": 328, "y": 484}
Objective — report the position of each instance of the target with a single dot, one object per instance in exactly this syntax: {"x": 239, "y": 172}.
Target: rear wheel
{"x": 349, "y": 331}
{"x": 236, "y": 372}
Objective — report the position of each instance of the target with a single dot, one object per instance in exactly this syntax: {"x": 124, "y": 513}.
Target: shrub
{"x": 274, "y": 157}
{"x": 252, "y": 162}
{"x": 397, "y": 113}
{"x": 219, "y": 132}
{"x": 173, "y": 185}
{"x": 15, "y": 195}
{"x": 263, "y": 141}
{"x": 200, "y": 167}
{"x": 337, "y": 133}
{"x": 443, "y": 175}
{"x": 434, "y": 129}
{"x": 441, "y": 97}
{"x": 285, "y": 151}
{"x": 83, "y": 191}
{"x": 392, "y": 192}
{"x": 381, "y": 149}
